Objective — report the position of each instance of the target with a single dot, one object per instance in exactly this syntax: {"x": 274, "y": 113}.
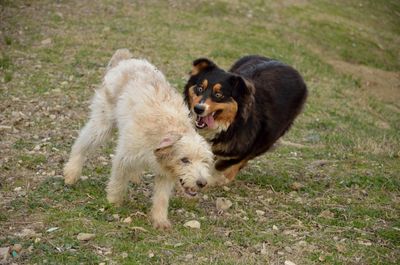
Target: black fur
{"x": 269, "y": 94}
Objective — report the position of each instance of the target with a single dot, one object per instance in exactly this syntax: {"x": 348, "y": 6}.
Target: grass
{"x": 346, "y": 210}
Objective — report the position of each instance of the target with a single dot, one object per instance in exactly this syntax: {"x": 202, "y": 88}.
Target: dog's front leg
{"x": 159, "y": 212}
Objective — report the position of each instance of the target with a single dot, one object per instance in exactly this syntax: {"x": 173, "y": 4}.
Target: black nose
{"x": 199, "y": 108}
{"x": 201, "y": 183}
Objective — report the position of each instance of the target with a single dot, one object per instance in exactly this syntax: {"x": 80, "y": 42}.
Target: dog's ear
{"x": 164, "y": 149}
{"x": 243, "y": 92}
{"x": 200, "y": 65}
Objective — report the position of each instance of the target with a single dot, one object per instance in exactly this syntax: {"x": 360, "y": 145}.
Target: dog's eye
{"x": 200, "y": 89}
{"x": 218, "y": 95}
{"x": 185, "y": 160}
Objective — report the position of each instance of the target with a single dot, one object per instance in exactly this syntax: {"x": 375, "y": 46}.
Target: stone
{"x": 4, "y": 254}
{"x": 223, "y": 204}
{"x": 127, "y": 220}
{"x": 85, "y": 236}
{"x": 192, "y": 224}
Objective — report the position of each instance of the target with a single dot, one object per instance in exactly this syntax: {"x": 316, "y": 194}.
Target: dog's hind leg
{"x": 159, "y": 212}
{"x": 96, "y": 131}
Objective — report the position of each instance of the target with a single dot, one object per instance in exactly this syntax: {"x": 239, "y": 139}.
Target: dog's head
{"x": 216, "y": 97}
{"x": 187, "y": 158}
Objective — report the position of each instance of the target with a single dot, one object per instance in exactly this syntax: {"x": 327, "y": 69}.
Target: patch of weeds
{"x": 32, "y": 161}
{"x": 5, "y": 62}
{"x": 391, "y": 235}
{"x": 22, "y": 144}
{"x": 8, "y": 40}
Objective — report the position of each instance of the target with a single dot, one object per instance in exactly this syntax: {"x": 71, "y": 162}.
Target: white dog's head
{"x": 186, "y": 157}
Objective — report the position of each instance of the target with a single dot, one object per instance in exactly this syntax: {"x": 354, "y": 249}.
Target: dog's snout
{"x": 201, "y": 183}
{"x": 199, "y": 108}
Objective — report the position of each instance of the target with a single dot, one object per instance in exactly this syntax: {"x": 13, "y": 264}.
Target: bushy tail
{"x": 119, "y": 55}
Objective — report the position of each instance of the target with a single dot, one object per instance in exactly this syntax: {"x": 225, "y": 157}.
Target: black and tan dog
{"x": 244, "y": 111}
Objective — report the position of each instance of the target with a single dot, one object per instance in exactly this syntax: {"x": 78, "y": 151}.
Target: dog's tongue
{"x": 209, "y": 120}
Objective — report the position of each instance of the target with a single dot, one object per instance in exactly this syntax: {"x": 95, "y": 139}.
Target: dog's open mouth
{"x": 206, "y": 121}
{"x": 191, "y": 192}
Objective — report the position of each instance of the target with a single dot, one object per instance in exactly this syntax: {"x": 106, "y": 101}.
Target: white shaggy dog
{"x": 155, "y": 132}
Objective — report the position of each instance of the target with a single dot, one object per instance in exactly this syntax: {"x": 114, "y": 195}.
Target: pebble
{"x": 274, "y": 227}
{"x": 326, "y": 214}
{"x": 127, "y": 220}
{"x": 225, "y": 188}
{"x": 17, "y": 247}
{"x": 85, "y": 236}
{"x": 260, "y": 213}
{"x": 116, "y": 217}
{"x": 223, "y": 204}
{"x": 46, "y": 41}
{"x": 296, "y": 186}
{"x": 4, "y": 253}
{"x": 192, "y": 224}
{"x": 288, "y": 262}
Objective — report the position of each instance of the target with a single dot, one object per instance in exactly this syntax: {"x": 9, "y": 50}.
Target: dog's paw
{"x": 162, "y": 224}
{"x": 71, "y": 174}
{"x": 117, "y": 200}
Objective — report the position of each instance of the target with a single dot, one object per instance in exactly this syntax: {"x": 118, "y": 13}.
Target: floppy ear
{"x": 164, "y": 149}
{"x": 200, "y": 65}
{"x": 243, "y": 92}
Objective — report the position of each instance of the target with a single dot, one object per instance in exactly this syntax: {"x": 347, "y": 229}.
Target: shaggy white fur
{"x": 155, "y": 132}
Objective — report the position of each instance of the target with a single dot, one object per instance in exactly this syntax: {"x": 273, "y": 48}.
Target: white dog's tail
{"x": 119, "y": 55}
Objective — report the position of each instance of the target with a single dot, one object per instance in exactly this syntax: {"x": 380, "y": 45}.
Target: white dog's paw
{"x": 71, "y": 174}
{"x": 115, "y": 199}
{"x": 162, "y": 224}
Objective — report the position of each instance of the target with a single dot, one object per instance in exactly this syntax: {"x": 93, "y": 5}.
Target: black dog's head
{"x": 216, "y": 97}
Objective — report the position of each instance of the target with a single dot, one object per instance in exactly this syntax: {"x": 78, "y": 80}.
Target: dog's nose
{"x": 199, "y": 108}
{"x": 201, "y": 183}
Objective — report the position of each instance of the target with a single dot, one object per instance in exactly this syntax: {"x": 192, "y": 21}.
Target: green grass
{"x": 348, "y": 53}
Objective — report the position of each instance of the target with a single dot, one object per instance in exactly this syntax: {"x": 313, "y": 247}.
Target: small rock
{"x": 288, "y": 249}
{"x": 225, "y": 188}
{"x": 326, "y": 214}
{"x": 127, "y": 220}
{"x": 288, "y": 262}
{"x": 151, "y": 254}
{"x": 17, "y": 247}
{"x": 263, "y": 250}
{"x": 37, "y": 240}
{"x": 18, "y": 189}
{"x": 321, "y": 258}
{"x": 223, "y": 204}
{"x": 260, "y": 213}
{"x": 4, "y": 253}
{"x": 85, "y": 236}
{"x": 205, "y": 197}
{"x": 52, "y": 229}
{"x": 189, "y": 257}
{"x": 341, "y": 248}
{"x": 228, "y": 243}
{"x": 46, "y": 41}
{"x": 116, "y": 217}
{"x": 274, "y": 227}
{"x": 296, "y": 186}
{"x": 192, "y": 224}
